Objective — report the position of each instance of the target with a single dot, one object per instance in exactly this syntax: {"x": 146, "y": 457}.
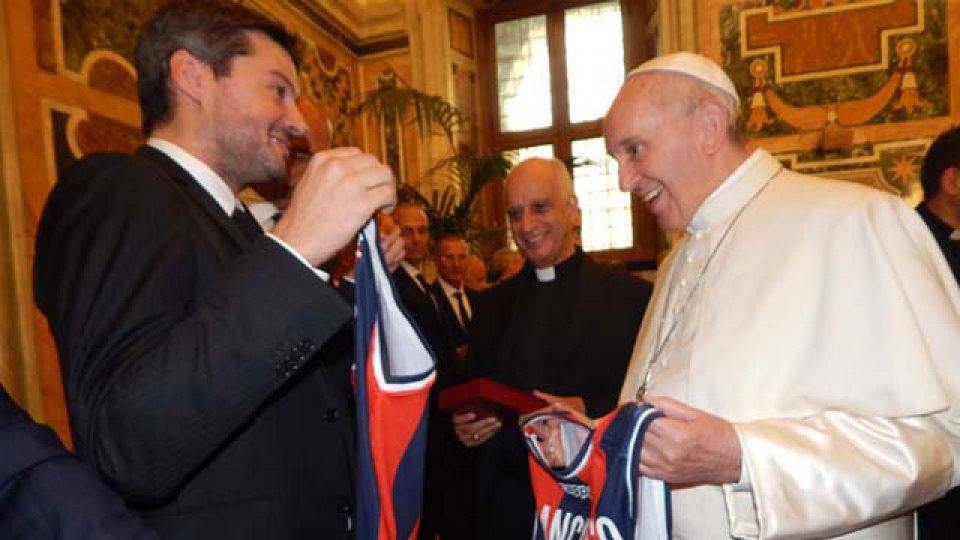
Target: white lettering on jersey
{"x": 562, "y": 525}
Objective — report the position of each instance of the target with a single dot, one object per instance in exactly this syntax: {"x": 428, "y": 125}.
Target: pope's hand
{"x": 688, "y": 446}
{"x": 339, "y": 192}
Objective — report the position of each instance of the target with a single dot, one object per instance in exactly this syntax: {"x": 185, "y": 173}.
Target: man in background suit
{"x": 940, "y": 210}
{"x": 45, "y": 492}
{"x": 204, "y": 374}
{"x": 447, "y": 469}
{"x": 453, "y": 299}
{"x": 563, "y": 328}
{"x": 414, "y": 289}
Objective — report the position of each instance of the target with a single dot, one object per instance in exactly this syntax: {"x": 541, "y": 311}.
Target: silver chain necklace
{"x": 655, "y": 364}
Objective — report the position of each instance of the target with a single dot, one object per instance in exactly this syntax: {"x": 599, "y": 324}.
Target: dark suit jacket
{"x": 458, "y": 334}
{"x": 45, "y": 492}
{"x": 594, "y": 350}
{"x": 422, "y": 308}
{"x": 446, "y": 499}
{"x": 205, "y": 376}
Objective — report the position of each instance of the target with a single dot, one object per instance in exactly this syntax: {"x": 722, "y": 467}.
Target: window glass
{"x": 541, "y": 151}
{"x": 607, "y": 221}
{"x": 523, "y": 74}
{"x": 594, "y": 43}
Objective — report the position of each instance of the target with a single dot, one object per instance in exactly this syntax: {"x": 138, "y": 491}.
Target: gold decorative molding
{"x": 818, "y": 25}
{"x": 364, "y": 26}
{"x": 678, "y": 26}
{"x": 19, "y": 363}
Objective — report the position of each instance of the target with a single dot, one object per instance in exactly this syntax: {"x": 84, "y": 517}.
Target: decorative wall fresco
{"x": 390, "y": 132}
{"x": 330, "y": 82}
{"x": 802, "y": 69}
{"x": 465, "y": 98}
{"x": 73, "y": 133}
{"x": 101, "y": 24}
{"x": 892, "y": 166}
{"x": 853, "y": 89}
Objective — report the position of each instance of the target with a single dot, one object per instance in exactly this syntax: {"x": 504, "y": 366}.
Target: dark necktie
{"x": 423, "y": 282}
{"x": 245, "y": 222}
{"x": 461, "y": 309}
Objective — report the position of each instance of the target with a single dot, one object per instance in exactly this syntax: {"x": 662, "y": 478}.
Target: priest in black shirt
{"x": 563, "y": 327}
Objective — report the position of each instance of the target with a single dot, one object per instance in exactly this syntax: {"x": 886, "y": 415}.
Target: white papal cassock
{"x": 826, "y": 327}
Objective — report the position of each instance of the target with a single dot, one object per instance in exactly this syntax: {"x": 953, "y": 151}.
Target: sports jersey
{"x": 394, "y": 371}
{"x": 585, "y": 478}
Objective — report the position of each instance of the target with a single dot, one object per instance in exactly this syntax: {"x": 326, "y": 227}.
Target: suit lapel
{"x": 193, "y": 191}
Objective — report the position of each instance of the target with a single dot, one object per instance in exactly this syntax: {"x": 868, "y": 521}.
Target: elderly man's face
{"x": 254, "y": 115}
{"x": 655, "y": 145}
{"x": 452, "y": 260}
{"x": 541, "y": 217}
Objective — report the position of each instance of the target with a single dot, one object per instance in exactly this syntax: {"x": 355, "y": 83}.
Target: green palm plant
{"x": 465, "y": 172}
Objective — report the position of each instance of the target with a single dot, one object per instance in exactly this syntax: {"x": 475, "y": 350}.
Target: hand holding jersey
{"x": 341, "y": 189}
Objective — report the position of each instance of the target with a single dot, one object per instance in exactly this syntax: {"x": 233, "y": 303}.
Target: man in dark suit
{"x": 205, "y": 374}
{"x": 412, "y": 286}
{"x": 45, "y": 492}
{"x": 453, "y": 300}
{"x": 562, "y": 328}
{"x": 448, "y": 473}
{"x": 940, "y": 210}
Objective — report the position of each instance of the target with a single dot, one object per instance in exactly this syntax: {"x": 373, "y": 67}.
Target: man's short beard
{"x": 244, "y": 166}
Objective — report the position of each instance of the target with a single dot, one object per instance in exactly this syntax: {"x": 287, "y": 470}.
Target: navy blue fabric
{"x": 46, "y": 492}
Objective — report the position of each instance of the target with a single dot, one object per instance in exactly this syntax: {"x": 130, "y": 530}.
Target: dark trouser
{"x": 940, "y": 519}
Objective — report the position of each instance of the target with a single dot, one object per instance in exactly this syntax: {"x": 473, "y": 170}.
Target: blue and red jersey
{"x": 394, "y": 371}
{"x": 586, "y": 478}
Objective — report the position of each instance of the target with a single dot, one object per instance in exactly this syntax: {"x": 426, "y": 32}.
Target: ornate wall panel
{"x": 395, "y": 143}
{"x": 330, "y": 81}
{"x": 853, "y": 89}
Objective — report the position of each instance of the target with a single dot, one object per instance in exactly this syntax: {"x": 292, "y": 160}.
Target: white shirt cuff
{"x": 320, "y": 273}
{"x": 745, "y": 483}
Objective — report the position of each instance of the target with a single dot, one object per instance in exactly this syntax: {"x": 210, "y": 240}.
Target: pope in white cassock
{"x": 803, "y": 339}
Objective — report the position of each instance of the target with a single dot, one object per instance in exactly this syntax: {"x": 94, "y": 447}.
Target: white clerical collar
{"x": 448, "y": 289}
{"x": 955, "y": 235}
{"x": 201, "y": 172}
{"x": 546, "y": 274}
{"x": 735, "y": 191}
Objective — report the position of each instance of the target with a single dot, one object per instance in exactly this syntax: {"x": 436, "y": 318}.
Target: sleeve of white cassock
{"x": 835, "y": 472}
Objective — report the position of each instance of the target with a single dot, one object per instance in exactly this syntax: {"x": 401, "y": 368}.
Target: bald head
{"x": 475, "y": 277}
{"x": 541, "y": 209}
{"x": 319, "y": 132}
{"x": 317, "y": 137}
{"x": 551, "y": 168}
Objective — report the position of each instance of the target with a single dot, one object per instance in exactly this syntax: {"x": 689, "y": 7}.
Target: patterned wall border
{"x": 773, "y": 16}
{"x": 885, "y": 155}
